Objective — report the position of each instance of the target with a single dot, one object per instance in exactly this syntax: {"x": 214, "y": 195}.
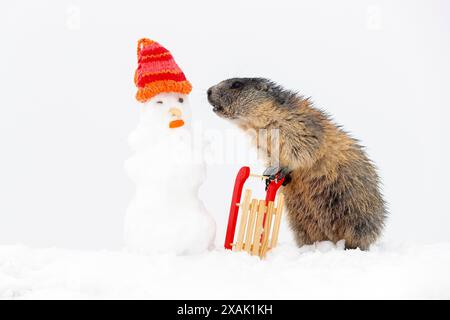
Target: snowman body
{"x": 166, "y": 215}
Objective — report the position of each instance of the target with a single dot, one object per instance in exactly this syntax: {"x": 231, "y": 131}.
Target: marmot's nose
{"x": 209, "y": 92}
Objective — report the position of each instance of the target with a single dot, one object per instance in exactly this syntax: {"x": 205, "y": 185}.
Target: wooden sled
{"x": 259, "y": 222}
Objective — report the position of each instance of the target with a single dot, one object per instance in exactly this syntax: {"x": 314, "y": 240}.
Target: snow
{"x": 166, "y": 214}
{"x": 324, "y": 270}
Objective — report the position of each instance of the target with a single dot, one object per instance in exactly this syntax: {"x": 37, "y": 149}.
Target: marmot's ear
{"x": 262, "y": 86}
{"x": 281, "y": 99}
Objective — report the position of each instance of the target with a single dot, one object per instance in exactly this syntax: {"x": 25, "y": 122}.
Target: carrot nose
{"x": 176, "y": 123}
{"x": 175, "y": 112}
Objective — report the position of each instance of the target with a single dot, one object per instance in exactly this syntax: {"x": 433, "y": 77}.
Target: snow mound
{"x": 323, "y": 270}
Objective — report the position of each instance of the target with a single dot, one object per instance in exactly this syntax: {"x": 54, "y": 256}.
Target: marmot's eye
{"x": 159, "y": 102}
{"x": 180, "y": 100}
{"x": 237, "y": 85}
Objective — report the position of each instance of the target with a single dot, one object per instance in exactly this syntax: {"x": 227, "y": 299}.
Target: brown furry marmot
{"x": 334, "y": 191}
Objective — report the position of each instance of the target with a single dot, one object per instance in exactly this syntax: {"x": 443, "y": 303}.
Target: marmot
{"x": 334, "y": 191}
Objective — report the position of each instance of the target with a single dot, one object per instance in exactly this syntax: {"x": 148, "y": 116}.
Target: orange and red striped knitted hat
{"x": 157, "y": 72}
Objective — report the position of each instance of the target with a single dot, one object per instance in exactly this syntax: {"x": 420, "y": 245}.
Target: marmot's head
{"x": 257, "y": 103}
{"x": 246, "y": 98}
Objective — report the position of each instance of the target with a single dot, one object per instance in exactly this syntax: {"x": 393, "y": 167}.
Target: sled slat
{"x": 243, "y": 222}
{"x": 250, "y": 226}
{"x": 267, "y": 229}
{"x": 276, "y": 225}
{"x": 258, "y": 227}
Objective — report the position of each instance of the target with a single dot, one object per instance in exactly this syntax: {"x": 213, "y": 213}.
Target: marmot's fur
{"x": 334, "y": 191}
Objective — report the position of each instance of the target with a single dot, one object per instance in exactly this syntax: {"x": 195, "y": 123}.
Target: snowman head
{"x": 162, "y": 85}
{"x": 171, "y": 109}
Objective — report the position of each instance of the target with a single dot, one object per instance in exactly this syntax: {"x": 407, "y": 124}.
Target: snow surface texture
{"x": 324, "y": 270}
{"x": 166, "y": 214}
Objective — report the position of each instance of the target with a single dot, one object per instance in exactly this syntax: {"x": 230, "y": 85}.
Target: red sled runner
{"x": 260, "y": 219}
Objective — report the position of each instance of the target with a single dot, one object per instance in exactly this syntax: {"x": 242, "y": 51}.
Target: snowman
{"x": 165, "y": 215}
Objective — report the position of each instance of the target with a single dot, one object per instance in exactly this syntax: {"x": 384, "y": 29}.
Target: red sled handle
{"x": 241, "y": 177}
{"x": 272, "y": 190}
{"x": 271, "y": 193}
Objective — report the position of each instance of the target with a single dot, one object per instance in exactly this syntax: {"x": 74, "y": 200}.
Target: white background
{"x": 381, "y": 68}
